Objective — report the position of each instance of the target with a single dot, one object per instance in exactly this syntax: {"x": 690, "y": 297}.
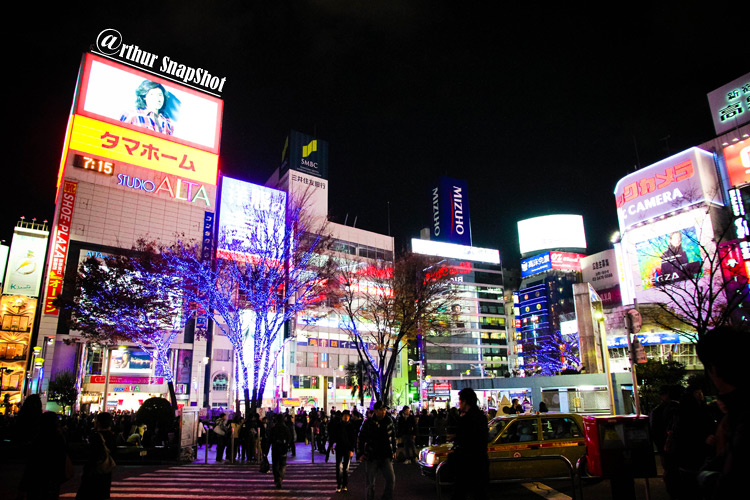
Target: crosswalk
{"x": 303, "y": 481}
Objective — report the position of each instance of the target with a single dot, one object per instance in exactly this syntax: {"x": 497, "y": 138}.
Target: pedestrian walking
{"x": 222, "y": 435}
{"x": 376, "y": 446}
{"x": 344, "y": 442}
{"x": 407, "y": 431}
{"x": 280, "y": 438}
{"x": 469, "y": 460}
{"x": 96, "y": 481}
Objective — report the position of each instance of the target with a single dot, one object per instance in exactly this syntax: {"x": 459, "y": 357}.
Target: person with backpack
{"x": 280, "y": 438}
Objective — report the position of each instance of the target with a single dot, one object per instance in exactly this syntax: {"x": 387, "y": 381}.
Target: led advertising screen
{"x": 685, "y": 179}
{"x": 450, "y": 211}
{"x": 453, "y": 251}
{"x": 130, "y": 361}
{"x": 246, "y": 210}
{"x": 25, "y": 262}
{"x": 551, "y": 231}
{"x": 669, "y": 258}
{"x": 737, "y": 160}
{"x": 121, "y": 95}
{"x": 730, "y": 104}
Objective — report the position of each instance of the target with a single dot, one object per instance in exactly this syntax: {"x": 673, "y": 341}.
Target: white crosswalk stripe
{"x": 222, "y": 482}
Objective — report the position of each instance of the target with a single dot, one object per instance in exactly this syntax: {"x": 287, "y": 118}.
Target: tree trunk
{"x": 248, "y": 403}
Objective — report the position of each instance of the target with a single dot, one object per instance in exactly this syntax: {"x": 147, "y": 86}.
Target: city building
{"x": 131, "y": 168}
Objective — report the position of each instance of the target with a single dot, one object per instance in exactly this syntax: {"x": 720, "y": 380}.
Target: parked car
{"x": 525, "y": 435}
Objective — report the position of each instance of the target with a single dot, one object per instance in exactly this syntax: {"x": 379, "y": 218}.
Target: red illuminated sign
{"x": 737, "y": 157}
{"x": 59, "y": 249}
{"x": 566, "y": 261}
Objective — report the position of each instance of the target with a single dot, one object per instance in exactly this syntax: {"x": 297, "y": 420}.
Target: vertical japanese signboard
{"x": 59, "y": 247}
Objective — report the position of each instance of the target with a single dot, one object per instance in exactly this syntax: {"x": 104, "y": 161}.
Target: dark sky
{"x": 540, "y": 109}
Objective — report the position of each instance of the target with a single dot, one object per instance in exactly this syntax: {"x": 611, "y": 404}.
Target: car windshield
{"x": 496, "y": 427}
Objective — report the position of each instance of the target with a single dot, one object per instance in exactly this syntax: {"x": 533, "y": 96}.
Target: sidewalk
{"x": 304, "y": 455}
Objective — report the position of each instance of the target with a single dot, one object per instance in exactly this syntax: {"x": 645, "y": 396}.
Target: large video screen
{"x": 250, "y": 217}
{"x": 124, "y": 96}
{"x": 669, "y": 258}
{"x": 551, "y": 231}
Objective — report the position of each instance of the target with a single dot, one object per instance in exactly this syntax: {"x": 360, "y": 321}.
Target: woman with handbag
{"x": 97, "y": 472}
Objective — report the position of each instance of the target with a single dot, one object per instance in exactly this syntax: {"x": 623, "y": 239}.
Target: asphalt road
{"x": 304, "y": 480}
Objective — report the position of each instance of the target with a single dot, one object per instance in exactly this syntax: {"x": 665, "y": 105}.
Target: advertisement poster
{"x": 120, "y": 95}
{"x": 26, "y": 262}
{"x": 669, "y": 258}
{"x": 130, "y": 361}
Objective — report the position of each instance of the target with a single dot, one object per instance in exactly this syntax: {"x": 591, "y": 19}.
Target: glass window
{"x": 312, "y": 359}
{"x": 220, "y": 382}
{"x": 520, "y": 430}
{"x": 560, "y": 428}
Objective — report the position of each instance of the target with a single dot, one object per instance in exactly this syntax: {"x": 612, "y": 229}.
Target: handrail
{"x": 439, "y": 484}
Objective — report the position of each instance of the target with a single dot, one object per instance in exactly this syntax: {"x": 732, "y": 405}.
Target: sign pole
{"x": 633, "y": 322}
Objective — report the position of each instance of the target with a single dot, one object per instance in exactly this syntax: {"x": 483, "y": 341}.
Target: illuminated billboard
{"x": 450, "y": 211}
{"x": 121, "y": 95}
{"x": 730, "y": 104}
{"x": 249, "y": 215}
{"x": 60, "y": 245}
{"x": 562, "y": 261}
{"x": 104, "y": 141}
{"x": 600, "y": 270}
{"x": 26, "y": 262}
{"x": 685, "y": 179}
{"x": 453, "y": 251}
{"x": 669, "y": 258}
{"x": 306, "y": 154}
{"x": 551, "y": 231}
{"x": 737, "y": 160}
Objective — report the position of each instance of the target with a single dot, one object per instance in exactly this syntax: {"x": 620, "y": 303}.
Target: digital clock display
{"x": 105, "y": 167}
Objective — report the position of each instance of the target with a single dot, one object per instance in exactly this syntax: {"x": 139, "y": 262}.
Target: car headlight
{"x": 431, "y": 458}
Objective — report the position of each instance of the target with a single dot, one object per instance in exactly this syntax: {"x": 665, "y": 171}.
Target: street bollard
{"x": 206, "y": 430}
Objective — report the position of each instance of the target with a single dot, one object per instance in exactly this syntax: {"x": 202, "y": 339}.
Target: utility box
{"x": 618, "y": 446}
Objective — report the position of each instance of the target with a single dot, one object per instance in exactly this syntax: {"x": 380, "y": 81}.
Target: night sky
{"x": 540, "y": 109}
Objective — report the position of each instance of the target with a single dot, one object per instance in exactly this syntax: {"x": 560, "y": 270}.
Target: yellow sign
{"x": 128, "y": 146}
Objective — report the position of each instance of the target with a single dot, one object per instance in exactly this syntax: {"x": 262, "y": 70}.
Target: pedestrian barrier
{"x": 439, "y": 483}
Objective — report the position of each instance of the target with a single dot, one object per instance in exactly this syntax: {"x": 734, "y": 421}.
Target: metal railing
{"x": 439, "y": 483}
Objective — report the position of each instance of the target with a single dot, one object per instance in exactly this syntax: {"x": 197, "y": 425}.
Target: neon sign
{"x": 182, "y": 190}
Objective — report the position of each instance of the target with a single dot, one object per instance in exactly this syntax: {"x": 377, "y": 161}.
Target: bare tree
{"x": 693, "y": 273}
{"x": 385, "y": 306}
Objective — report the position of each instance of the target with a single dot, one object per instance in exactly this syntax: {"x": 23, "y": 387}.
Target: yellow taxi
{"x": 524, "y": 435}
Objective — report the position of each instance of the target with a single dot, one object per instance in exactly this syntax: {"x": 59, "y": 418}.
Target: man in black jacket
{"x": 469, "y": 457}
{"x": 376, "y": 446}
{"x": 343, "y": 441}
{"x": 280, "y": 437}
{"x": 407, "y": 431}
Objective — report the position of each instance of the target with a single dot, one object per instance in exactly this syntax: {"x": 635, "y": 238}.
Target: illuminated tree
{"x": 270, "y": 266}
{"x": 555, "y": 353}
{"x": 385, "y": 306}
{"x": 135, "y": 297}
